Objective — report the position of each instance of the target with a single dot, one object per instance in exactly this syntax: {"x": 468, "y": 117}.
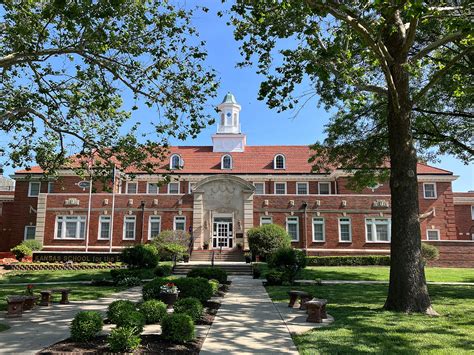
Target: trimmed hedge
{"x": 362, "y": 260}
{"x": 121, "y": 274}
{"x": 197, "y": 287}
{"x": 210, "y": 273}
{"x": 163, "y": 270}
{"x": 177, "y": 328}
{"x": 190, "y": 306}
{"x": 123, "y": 340}
{"x": 143, "y": 256}
{"x": 132, "y": 319}
{"x": 85, "y": 325}
{"x": 118, "y": 308}
{"x": 151, "y": 290}
{"x": 153, "y": 310}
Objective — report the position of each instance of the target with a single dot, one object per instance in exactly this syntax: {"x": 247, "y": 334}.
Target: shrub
{"x": 177, "y": 328}
{"x": 172, "y": 243}
{"x": 209, "y": 273}
{"x": 256, "y": 272}
{"x": 274, "y": 278}
{"x": 169, "y": 251}
{"x": 288, "y": 260}
{"x": 34, "y": 245}
{"x": 215, "y": 286}
{"x": 197, "y": 287}
{"x": 117, "y": 309}
{"x": 123, "y": 340}
{"x": 266, "y": 239}
{"x": 120, "y": 274}
{"x": 131, "y": 281}
{"x": 132, "y": 319}
{"x": 348, "y": 260}
{"x": 429, "y": 252}
{"x": 85, "y": 325}
{"x": 153, "y": 310}
{"x": 163, "y": 270}
{"x": 190, "y": 306}
{"x": 151, "y": 290}
{"x": 21, "y": 251}
{"x": 140, "y": 256}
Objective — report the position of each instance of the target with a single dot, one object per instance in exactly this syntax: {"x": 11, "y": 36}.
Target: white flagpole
{"x": 113, "y": 211}
{"x": 89, "y": 213}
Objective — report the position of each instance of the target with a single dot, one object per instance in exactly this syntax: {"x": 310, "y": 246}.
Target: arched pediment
{"x": 244, "y": 185}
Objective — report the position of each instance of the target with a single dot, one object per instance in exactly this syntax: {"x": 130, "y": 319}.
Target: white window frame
{"x": 180, "y": 162}
{"x": 274, "y": 187}
{"x": 438, "y": 232}
{"x": 324, "y": 183}
{"x": 29, "y": 188}
{"x": 129, "y": 219}
{"x": 472, "y": 212}
{"x": 190, "y": 187}
{"x": 50, "y": 186}
{"x": 275, "y": 162}
{"x": 270, "y": 218}
{"x": 222, "y": 162}
{"x": 80, "y": 219}
{"x": 174, "y": 193}
{"x": 373, "y": 224}
{"x": 131, "y": 183}
{"x": 259, "y": 183}
{"x": 149, "y": 225}
{"x": 99, "y": 232}
{"x": 183, "y": 219}
{"x": 435, "y": 191}
{"x": 25, "y": 233}
{"x": 292, "y": 220}
{"x": 302, "y": 183}
{"x": 324, "y": 229}
{"x": 345, "y": 223}
{"x": 148, "y": 184}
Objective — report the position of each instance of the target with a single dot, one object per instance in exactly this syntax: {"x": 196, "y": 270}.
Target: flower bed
{"x": 61, "y": 266}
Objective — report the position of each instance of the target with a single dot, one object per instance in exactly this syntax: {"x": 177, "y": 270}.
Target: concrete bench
{"x": 15, "y": 306}
{"x": 316, "y": 309}
{"x": 64, "y": 294}
{"x": 46, "y": 297}
{"x": 303, "y": 296}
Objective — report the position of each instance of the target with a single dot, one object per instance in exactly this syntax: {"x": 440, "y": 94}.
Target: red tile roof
{"x": 254, "y": 160}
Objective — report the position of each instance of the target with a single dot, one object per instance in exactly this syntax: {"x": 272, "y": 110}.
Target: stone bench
{"x": 316, "y": 309}
{"x": 46, "y": 297}
{"x": 64, "y": 294}
{"x": 15, "y": 306}
{"x": 303, "y": 296}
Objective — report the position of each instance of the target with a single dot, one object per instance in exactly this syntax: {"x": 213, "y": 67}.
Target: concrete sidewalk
{"x": 44, "y": 326}
{"x": 248, "y": 323}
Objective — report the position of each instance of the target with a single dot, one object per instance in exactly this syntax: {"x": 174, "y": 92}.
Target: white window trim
{"x": 148, "y": 188}
{"x": 174, "y": 222}
{"x": 433, "y": 230}
{"x": 231, "y": 162}
{"x": 274, "y": 187}
{"x": 374, "y": 232}
{"x": 134, "y": 229}
{"x": 149, "y": 225}
{"x": 50, "y": 186}
{"x": 325, "y": 183}
{"x": 132, "y": 183}
{"x": 263, "y": 217}
{"x": 297, "y": 227}
{"x": 99, "y": 233}
{"x": 179, "y": 188}
{"x": 25, "y": 233}
{"x": 435, "y": 191}
{"x": 190, "y": 187}
{"x": 180, "y": 163}
{"x": 261, "y": 183}
{"x": 472, "y": 212}
{"x": 324, "y": 229}
{"x": 339, "y": 229}
{"x": 64, "y": 229}
{"x": 29, "y": 188}
{"x": 307, "y": 187}
{"x": 274, "y": 162}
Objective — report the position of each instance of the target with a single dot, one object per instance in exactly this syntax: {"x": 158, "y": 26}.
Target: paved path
{"x": 44, "y": 326}
{"x": 248, "y": 323}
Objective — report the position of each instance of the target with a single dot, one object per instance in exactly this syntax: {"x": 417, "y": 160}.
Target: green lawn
{"x": 57, "y": 275}
{"x": 362, "y": 327}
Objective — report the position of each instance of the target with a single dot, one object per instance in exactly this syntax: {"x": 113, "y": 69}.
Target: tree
{"x": 400, "y": 75}
{"x": 65, "y": 66}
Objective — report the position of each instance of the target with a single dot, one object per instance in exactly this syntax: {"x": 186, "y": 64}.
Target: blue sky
{"x": 262, "y": 125}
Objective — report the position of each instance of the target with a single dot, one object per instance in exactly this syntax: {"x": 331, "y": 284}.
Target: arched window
{"x": 222, "y": 119}
{"x": 176, "y": 162}
{"x": 279, "y": 161}
{"x": 226, "y": 162}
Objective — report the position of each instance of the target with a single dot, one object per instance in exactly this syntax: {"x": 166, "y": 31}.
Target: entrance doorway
{"x": 222, "y": 233}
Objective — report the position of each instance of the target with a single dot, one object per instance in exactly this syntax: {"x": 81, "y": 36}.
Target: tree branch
{"x": 20, "y": 57}
{"x": 441, "y": 113}
{"x": 436, "y": 44}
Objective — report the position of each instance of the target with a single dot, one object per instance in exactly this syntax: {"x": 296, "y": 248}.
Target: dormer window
{"x": 279, "y": 161}
{"x": 176, "y": 162}
{"x": 226, "y": 162}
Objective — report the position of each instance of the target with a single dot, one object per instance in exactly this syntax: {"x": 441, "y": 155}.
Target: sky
{"x": 262, "y": 125}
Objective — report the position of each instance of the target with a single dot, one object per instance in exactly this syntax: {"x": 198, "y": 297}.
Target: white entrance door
{"x": 222, "y": 234}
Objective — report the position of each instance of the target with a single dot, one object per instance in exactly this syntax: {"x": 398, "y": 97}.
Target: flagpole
{"x": 113, "y": 211}
{"x": 89, "y": 213}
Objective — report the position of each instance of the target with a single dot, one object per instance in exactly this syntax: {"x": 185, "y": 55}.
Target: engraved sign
{"x": 71, "y": 202}
{"x": 380, "y": 203}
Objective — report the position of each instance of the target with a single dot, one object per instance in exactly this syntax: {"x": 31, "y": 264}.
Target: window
{"x": 50, "y": 187}
{"x": 226, "y": 162}
{"x": 302, "y": 188}
{"x": 279, "y": 161}
{"x": 318, "y": 230}
{"x": 324, "y": 188}
{"x": 154, "y": 227}
{"x": 280, "y": 188}
{"x": 377, "y": 230}
{"x": 345, "y": 232}
{"x": 129, "y": 227}
{"x": 132, "y": 187}
{"x": 152, "y": 188}
{"x": 259, "y": 188}
{"x": 30, "y": 232}
{"x": 34, "y": 188}
{"x": 432, "y": 234}
{"x": 176, "y": 162}
{"x": 173, "y": 188}
{"x": 104, "y": 227}
{"x": 429, "y": 190}
{"x": 70, "y": 227}
{"x": 472, "y": 213}
{"x": 292, "y": 228}
{"x": 191, "y": 185}
{"x": 266, "y": 220}
{"x": 179, "y": 223}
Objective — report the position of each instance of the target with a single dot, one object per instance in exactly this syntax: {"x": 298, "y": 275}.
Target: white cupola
{"x": 229, "y": 137}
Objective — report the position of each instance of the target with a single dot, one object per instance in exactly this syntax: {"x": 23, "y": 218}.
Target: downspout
{"x": 142, "y": 205}
{"x": 305, "y": 207}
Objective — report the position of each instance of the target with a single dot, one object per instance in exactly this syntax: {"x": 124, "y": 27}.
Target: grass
{"x": 3, "y": 327}
{"x": 56, "y": 275}
{"x": 362, "y": 327}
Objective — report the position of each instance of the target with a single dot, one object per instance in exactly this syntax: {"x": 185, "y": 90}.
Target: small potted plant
{"x": 186, "y": 257}
{"x": 248, "y": 258}
{"x": 169, "y": 294}
{"x": 30, "y": 299}
{"x": 239, "y": 246}
{"x": 205, "y": 245}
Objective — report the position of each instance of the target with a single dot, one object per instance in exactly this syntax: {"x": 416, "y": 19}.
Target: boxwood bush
{"x": 151, "y": 290}
{"x": 361, "y": 260}
{"x": 163, "y": 270}
{"x": 153, "y": 310}
{"x": 275, "y": 277}
{"x": 140, "y": 256}
{"x": 117, "y": 309}
{"x": 190, "y": 306}
{"x": 266, "y": 239}
{"x": 197, "y": 287}
{"x": 86, "y": 325}
{"x": 177, "y": 328}
{"x": 429, "y": 252}
{"x": 209, "y": 273}
{"x": 120, "y": 274}
{"x": 132, "y": 319}
{"x": 288, "y": 260}
{"x": 123, "y": 340}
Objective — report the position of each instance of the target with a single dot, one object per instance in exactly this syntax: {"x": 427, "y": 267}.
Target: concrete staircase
{"x": 232, "y": 268}
{"x": 225, "y": 255}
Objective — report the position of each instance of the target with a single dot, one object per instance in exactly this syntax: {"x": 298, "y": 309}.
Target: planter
{"x": 30, "y": 302}
{"x": 186, "y": 258}
{"x": 248, "y": 259}
{"x": 168, "y": 298}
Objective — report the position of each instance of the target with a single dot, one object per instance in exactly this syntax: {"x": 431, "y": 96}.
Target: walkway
{"x": 248, "y": 323}
{"x": 44, "y": 326}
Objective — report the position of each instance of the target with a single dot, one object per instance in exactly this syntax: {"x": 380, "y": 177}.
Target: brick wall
{"x": 464, "y": 222}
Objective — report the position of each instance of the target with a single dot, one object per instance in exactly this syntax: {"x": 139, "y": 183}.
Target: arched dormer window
{"x": 279, "y": 162}
{"x": 176, "y": 162}
{"x": 226, "y": 162}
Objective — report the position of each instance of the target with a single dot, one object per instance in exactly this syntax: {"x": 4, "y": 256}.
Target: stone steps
{"x": 206, "y": 255}
{"x": 230, "y": 268}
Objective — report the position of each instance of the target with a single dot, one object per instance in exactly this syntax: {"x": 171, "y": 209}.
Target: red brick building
{"x": 218, "y": 192}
